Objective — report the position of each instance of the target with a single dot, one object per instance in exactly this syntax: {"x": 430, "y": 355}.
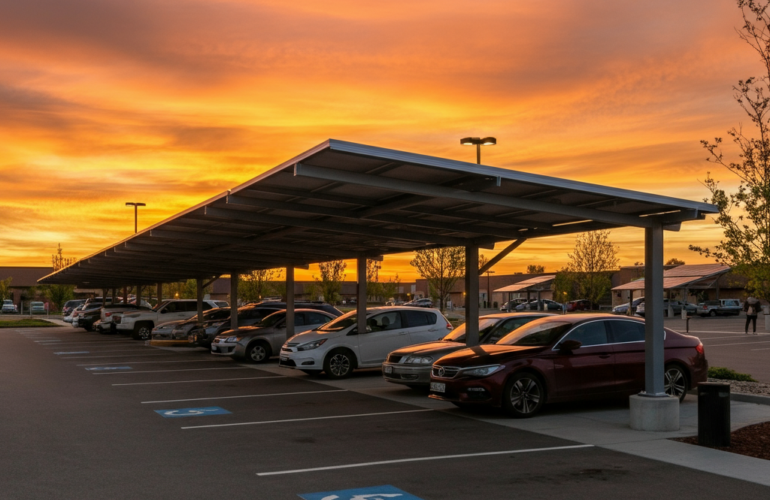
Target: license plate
{"x": 284, "y": 358}
{"x": 437, "y": 387}
{"x": 388, "y": 369}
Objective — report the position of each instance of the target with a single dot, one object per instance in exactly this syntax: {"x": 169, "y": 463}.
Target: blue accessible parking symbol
{"x": 108, "y": 368}
{"x": 385, "y": 492}
{"x": 193, "y": 412}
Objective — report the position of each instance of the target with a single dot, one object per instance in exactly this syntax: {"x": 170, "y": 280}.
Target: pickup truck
{"x": 140, "y": 323}
{"x": 721, "y": 307}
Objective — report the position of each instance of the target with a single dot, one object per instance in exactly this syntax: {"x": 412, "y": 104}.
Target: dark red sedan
{"x": 564, "y": 359}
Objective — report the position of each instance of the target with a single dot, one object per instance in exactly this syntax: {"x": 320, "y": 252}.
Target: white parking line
{"x": 265, "y": 422}
{"x": 761, "y": 349}
{"x": 136, "y": 349}
{"x": 114, "y": 342}
{"x": 423, "y": 459}
{"x": 156, "y": 362}
{"x": 196, "y": 381}
{"x": 245, "y": 396}
{"x": 169, "y": 371}
{"x": 118, "y": 356}
{"x": 740, "y": 343}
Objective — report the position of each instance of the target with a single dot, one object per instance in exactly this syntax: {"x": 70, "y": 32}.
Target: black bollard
{"x": 713, "y": 414}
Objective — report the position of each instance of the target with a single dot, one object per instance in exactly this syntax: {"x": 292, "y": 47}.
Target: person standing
{"x": 751, "y": 307}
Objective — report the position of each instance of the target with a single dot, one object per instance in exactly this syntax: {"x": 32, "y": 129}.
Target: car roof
{"x": 512, "y": 314}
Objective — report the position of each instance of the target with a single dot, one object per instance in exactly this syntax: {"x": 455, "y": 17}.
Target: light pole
{"x": 489, "y": 290}
{"x": 478, "y": 142}
{"x": 136, "y": 206}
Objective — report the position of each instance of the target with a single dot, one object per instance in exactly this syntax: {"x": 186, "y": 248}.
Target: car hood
{"x": 488, "y": 355}
{"x": 429, "y": 348}
{"x": 312, "y": 335}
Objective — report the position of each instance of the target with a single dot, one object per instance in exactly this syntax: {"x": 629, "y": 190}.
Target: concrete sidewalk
{"x": 603, "y": 424}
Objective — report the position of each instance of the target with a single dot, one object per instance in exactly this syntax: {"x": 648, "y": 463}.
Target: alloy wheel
{"x": 339, "y": 365}
{"x": 675, "y": 382}
{"x": 525, "y": 395}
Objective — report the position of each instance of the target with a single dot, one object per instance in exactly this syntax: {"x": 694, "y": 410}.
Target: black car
{"x": 70, "y": 305}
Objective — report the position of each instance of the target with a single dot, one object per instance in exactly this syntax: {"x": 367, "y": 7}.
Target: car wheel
{"x": 143, "y": 331}
{"x": 258, "y": 352}
{"x": 675, "y": 381}
{"x": 523, "y": 396}
{"x": 339, "y": 364}
{"x": 712, "y": 313}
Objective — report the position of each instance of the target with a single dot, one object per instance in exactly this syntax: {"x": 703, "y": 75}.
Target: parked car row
{"x": 721, "y": 307}
{"x": 9, "y": 307}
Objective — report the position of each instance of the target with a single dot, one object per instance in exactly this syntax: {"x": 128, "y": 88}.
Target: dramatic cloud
{"x": 173, "y": 101}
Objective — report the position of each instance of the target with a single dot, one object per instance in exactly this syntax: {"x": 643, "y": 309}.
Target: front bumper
{"x": 406, "y": 374}
{"x": 301, "y": 360}
{"x": 223, "y": 349}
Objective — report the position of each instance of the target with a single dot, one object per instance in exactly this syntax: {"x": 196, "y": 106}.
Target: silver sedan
{"x": 259, "y": 342}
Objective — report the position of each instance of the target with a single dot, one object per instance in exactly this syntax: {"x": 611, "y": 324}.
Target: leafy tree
{"x": 442, "y": 267}
{"x": 257, "y": 285}
{"x": 332, "y": 276}
{"x": 5, "y": 288}
{"x": 565, "y": 286}
{"x": 591, "y": 262}
{"x": 390, "y": 288}
{"x": 745, "y": 214}
{"x": 535, "y": 269}
{"x": 673, "y": 261}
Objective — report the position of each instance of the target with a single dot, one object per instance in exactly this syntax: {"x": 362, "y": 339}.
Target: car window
{"x": 507, "y": 327}
{"x": 342, "y": 322}
{"x": 536, "y": 333}
{"x": 170, "y": 308}
{"x": 220, "y": 303}
{"x": 627, "y": 331}
{"x": 273, "y": 319}
{"x": 299, "y": 319}
{"x": 384, "y": 322}
{"x": 312, "y": 318}
{"x": 588, "y": 334}
{"x": 419, "y": 318}
{"x": 485, "y": 326}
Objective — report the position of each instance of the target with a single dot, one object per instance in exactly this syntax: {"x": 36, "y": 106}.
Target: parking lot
{"x": 108, "y": 417}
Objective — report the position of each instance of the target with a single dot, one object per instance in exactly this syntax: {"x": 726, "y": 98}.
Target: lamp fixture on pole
{"x": 478, "y": 142}
{"x": 136, "y": 206}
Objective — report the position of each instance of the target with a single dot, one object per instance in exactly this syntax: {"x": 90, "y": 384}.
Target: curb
{"x": 750, "y": 398}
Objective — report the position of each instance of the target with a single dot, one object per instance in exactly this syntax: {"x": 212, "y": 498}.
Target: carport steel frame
{"x": 310, "y": 209}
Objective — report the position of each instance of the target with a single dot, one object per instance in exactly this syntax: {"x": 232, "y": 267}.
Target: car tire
{"x": 524, "y": 395}
{"x": 712, "y": 313}
{"x": 258, "y": 352}
{"x": 143, "y": 331}
{"x": 675, "y": 381}
{"x": 339, "y": 364}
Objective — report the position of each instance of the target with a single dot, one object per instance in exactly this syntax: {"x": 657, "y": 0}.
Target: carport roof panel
{"x": 691, "y": 276}
{"x": 537, "y": 281}
{"x": 345, "y": 200}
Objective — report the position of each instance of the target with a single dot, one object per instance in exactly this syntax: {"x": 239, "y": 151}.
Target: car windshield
{"x": 271, "y": 320}
{"x": 340, "y": 323}
{"x": 215, "y": 314}
{"x": 486, "y": 325}
{"x": 536, "y": 333}
{"x": 159, "y": 305}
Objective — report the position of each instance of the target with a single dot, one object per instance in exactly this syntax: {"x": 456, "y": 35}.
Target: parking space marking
{"x": 120, "y": 356}
{"x": 107, "y": 368}
{"x": 187, "y": 370}
{"x": 136, "y": 349}
{"x": 78, "y": 344}
{"x": 761, "y": 349}
{"x": 741, "y": 343}
{"x": 373, "y": 492}
{"x": 156, "y": 362}
{"x": 74, "y": 352}
{"x": 265, "y": 422}
{"x": 193, "y": 412}
{"x": 425, "y": 459}
{"x": 245, "y": 396}
{"x": 197, "y": 381}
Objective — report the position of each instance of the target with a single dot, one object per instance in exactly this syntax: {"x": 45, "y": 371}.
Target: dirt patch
{"x": 752, "y": 441}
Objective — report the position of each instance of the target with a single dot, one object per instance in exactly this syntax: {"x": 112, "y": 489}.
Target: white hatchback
{"x": 337, "y": 348}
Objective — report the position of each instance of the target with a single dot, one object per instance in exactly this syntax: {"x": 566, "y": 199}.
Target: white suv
{"x": 337, "y": 347}
{"x": 141, "y": 323}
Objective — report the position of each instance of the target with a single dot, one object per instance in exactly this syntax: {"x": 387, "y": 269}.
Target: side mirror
{"x": 164, "y": 311}
{"x": 569, "y": 345}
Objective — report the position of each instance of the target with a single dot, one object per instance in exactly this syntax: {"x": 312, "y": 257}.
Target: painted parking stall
{"x": 372, "y": 493}
{"x": 208, "y": 411}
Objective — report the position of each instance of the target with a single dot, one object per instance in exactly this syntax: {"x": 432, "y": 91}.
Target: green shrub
{"x": 728, "y": 374}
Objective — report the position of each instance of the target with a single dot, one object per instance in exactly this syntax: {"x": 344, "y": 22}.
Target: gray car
{"x": 259, "y": 342}
{"x": 411, "y": 365}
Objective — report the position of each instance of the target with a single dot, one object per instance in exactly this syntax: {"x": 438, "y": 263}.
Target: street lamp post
{"x": 489, "y": 290}
{"x": 478, "y": 142}
{"x": 136, "y": 206}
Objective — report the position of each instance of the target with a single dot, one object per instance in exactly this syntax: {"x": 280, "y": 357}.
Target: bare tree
{"x": 59, "y": 261}
{"x": 535, "y": 269}
{"x": 332, "y": 276}
{"x": 442, "y": 267}
{"x": 673, "y": 261}
{"x": 594, "y": 256}
{"x": 59, "y": 294}
{"x": 745, "y": 214}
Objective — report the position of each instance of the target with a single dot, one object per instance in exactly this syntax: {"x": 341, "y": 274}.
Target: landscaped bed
{"x": 753, "y": 441}
{"x": 25, "y": 323}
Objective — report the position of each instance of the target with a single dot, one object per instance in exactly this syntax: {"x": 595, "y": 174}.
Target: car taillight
{"x": 107, "y": 315}
{"x": 700, "y": 349}
{"x": 449, "y": 326}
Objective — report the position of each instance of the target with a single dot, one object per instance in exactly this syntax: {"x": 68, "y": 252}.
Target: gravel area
{"x": 757, "y": 388}
{"x": 753, "y": 441}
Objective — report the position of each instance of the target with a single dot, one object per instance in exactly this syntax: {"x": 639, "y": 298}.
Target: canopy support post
{"x": 472, "y": 296}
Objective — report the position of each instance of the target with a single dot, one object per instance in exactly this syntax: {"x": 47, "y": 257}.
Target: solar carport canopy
{"x": 342, "y": 200}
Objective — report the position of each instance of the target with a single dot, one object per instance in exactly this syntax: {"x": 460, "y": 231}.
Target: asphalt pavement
{"x": 92, "y": 416}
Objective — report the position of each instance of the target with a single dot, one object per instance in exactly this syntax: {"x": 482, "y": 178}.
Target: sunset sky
{"x": 170, "y": 102}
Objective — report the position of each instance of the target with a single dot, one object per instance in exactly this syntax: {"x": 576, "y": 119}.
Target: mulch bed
{"x": 753, "y": 441}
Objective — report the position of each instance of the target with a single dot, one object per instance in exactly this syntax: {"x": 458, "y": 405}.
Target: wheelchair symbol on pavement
{"x": 385, "y": 492}
{"x": 193, "y": 412}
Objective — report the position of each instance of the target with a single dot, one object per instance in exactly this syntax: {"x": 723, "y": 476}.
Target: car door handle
{"x": 604, "y": 356}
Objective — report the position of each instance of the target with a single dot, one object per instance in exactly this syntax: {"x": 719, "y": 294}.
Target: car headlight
{"x": 482, "y": 371}
{"x": 418, "y": 360}
{"x": 231, "y": 339}
{"x": 311, "y": 345}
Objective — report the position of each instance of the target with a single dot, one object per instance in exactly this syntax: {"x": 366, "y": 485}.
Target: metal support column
{"x": 125, "y": 295}
{"x": 472, "y": 296}
{"x": 199, "y": 297}
{"x": 289, "y": 302}
{"x": 630, "y": 311}
{"x": 234, "y": 300}
{"x": 138, "y": 295}
{"x": 114, "y": 293}
{"x": 159, "y": 292}
{"x": 539, "y": 302}
{"x": 361, "y": 296}
{"x": 653, "y": 311}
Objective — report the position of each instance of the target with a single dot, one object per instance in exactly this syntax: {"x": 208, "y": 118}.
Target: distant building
{"x": 23, "y": 282}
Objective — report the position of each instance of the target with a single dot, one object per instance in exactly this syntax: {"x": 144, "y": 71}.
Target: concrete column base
{"x": 654, "y": 414}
